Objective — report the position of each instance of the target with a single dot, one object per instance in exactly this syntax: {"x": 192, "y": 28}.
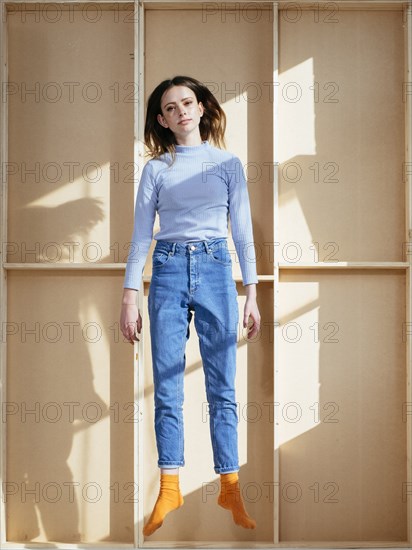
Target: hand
{"x": 251, "y": 309}
{"x": 130, "y": 319}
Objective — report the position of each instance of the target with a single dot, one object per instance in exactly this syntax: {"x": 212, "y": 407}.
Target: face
{"x": 181, "y": 112}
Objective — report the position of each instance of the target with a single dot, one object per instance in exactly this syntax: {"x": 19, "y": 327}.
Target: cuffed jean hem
{"x": 227, "y": 470}
{"x": 170, "y": 464}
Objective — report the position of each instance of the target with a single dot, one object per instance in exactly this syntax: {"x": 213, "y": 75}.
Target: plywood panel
{"x": 237, "y": 66}
{"x": 341, "y": 136}
{"x": 341, "y": 387}
{"x": 234, "y": 68}
{"x": 200, "y": 485}
{"x": 71, "y": 101}
{"x": 70, "y": 410}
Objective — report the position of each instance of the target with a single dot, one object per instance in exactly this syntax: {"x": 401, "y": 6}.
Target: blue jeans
{"x": 189, "y": 278}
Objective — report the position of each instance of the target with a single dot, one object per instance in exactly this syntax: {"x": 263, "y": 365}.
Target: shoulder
{"x": 230, "y": 164}
{"x": 152, "y": 168}
{"x": 221, "y": 155}
{"x": 155, "y": 164}
{"x": 228, "y": 161}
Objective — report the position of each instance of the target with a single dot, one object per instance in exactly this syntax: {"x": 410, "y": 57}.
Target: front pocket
{"x": 221, "y": 255}
{"x": 160, "y": 258}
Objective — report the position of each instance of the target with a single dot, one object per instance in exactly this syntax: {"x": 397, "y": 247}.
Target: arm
{"x": 129, "y": 296}
{"x": 145, "y": 213}
{"x": 242, "y": 232}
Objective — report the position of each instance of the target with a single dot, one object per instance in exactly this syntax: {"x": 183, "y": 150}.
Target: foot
{"x": 169, "y": 499}
{"x": 231, "y": 499}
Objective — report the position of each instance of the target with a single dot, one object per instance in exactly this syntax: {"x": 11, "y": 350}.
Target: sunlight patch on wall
{"x": 297, "y": 111}
{"x": 299, "y": 346}
{"x": 295, "y": 222}
{"x": 236, "y": 109}
{"x": 86, "y": 202}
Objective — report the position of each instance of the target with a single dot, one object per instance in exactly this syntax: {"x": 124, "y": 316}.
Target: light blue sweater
{"x": 194, "y": 198}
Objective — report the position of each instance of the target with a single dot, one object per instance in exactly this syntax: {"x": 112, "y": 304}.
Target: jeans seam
{"x": 179, "y": 382}
{"x": 211, "y": 417}
{"x": 170, "y": 255}
{"x": 211, "y": 249}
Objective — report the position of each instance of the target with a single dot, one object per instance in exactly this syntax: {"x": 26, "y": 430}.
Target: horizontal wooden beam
{"x": 122, "y": 266}
{"x": 62, "y": 5}
{"x": 293, "y": 545}
{"x": 345, "y": 265}
{"x": 65, "y": 266}
{"x": 231, "y": 4}
{"x": 54, "y": 545}
{"x": 283, "y": 4}
{"x": 313, "y": 545}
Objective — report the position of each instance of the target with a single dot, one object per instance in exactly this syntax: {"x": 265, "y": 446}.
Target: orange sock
{"x": 231, "y": 499}
{"x": 169, "y": 499}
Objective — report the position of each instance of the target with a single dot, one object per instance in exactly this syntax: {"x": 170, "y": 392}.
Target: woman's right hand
{"x": 130, "y": 320}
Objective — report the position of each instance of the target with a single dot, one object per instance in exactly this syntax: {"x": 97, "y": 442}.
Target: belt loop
{"x": 173, "y": 248}
{"x": 206, "y": 246}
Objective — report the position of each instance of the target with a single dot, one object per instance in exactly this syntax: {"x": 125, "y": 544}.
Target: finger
{"x": 256, "y": 329}
{"x": 130, "y": 336}
{"x": 252, "y": 334}
{"x": 252, "y": 331}
{"x": 134, "y": 337}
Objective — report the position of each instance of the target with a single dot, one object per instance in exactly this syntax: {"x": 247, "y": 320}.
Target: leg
{"x": 216, "y": 321}
{"x": 169, "y": 330}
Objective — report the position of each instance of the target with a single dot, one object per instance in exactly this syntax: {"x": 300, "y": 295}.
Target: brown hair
{"x": 212, "y": 125}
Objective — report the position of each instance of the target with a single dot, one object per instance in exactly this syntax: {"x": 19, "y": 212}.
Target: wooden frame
{"x": 406, "y": 265}
{"x": 408, "y": 236}
{"x": 3, "y": 281}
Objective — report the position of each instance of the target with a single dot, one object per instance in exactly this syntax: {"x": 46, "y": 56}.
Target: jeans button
{"x": 192, "y": 247}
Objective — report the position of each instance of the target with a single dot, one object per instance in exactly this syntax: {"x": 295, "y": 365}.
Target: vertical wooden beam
{"x": 139, "y": 360}
{"x": 3, "y": 280}
{"x": 276, "y": 503}
{"x": 406, "y": 96}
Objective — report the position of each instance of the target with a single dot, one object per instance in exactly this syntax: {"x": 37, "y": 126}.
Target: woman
{"x": 194, "y": 186}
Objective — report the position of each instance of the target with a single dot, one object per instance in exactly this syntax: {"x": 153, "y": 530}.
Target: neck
{"x": 190, "y": 139}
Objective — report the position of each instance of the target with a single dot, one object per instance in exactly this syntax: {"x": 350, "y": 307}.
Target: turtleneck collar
{"x": 191, "y": 148}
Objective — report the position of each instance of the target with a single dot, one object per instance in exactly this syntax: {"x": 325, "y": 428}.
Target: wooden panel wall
{"x": 342, "y": 348}
{"x": 342, "y": 432}
{"x": 341, "y": 136}
{"x": 322, "y": 412}
{"x": 75, "y": 207}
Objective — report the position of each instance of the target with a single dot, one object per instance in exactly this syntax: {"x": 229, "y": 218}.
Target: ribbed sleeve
{"x": 144, "y": 217}
{"x": 241, "y": 221}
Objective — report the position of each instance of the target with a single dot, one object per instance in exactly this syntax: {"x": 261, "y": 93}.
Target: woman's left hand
{"x": 251, "y": 309}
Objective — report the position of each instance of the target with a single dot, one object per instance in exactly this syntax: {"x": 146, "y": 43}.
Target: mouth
{"x": 185, "y": 120}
